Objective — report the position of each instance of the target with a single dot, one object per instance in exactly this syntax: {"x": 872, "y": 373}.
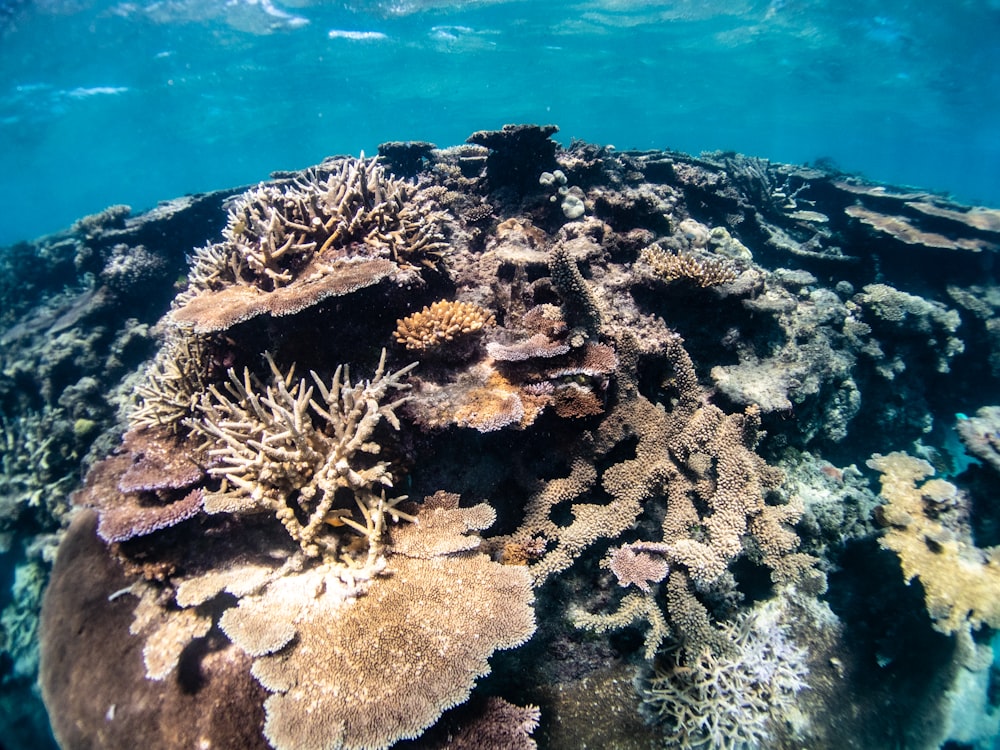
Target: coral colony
{"x": 508, "y": 443}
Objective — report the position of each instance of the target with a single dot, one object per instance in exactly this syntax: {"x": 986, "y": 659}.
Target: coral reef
{"x": 613, "y": 408}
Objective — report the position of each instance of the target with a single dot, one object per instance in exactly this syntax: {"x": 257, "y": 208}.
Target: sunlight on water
{"x": 139, "y": 102}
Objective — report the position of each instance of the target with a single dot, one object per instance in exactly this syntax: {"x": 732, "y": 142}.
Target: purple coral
{"x": 633, "y": 565}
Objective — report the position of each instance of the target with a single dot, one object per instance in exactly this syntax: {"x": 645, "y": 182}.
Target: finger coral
{"x": 441, "y": 322}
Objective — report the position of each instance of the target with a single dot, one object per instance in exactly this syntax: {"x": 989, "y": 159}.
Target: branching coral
{"x": 342, "y": 204}
{"x": 281, "y": 449}
{"x": 32, "y": 468}
{"x": 672, "y": 266}
{"x": 961, "y": 581}
{"x": 699, "y": 462}
{"x": 441, "y": 322}
{"x": 338, "y": 228}
{"x": 726, "y": 702}
{"x": 172, "y": 385}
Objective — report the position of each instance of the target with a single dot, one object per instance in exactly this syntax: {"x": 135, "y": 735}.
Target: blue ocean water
{"x": 133, "y": 102}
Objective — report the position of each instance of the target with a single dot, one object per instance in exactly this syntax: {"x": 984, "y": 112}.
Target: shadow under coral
{"x": 92, "y": 673}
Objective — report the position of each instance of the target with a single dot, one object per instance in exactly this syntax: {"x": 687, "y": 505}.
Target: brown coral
{"x": 218, "y": 310}
{"x": 441, "y": 322}
{"x": 671, "y": 266}
{"x": 902, "y": 229}
{"x": 138, "y": 511}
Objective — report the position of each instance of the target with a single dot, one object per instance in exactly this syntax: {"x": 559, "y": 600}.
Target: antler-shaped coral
{"x": 279, "y": 448}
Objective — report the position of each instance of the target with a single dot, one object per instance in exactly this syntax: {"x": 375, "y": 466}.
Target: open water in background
{"x": 133, "y": 102}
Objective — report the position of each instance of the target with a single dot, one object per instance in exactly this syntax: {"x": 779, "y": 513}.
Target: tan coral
{"x": 903, "y": 230}
{"x": 210, "y": 310}
{"x": 378, "y": 660}
{"x": 343, "y": 203}
{"x": 961, "y": 582}
{"x": 443, "y": 321}
{"x": 172, "y": 384}
{"x": 280, "y": 449}
{"x": 671, "y": 266}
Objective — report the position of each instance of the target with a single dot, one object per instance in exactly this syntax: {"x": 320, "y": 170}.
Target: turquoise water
{"x": 134, "y": 102}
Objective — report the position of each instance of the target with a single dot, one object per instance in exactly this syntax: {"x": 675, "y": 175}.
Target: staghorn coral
{"x": 961, "y": 582}
{"x": 443, "y": 321}
{"x": 172, "y": 384}
{"x": 727, "y": 702}
{"x": 671, "y": 266}
{"x": 274, "y": 232}
{"x": 279, "y": 449}
{"x": 336, "y": 229}
{"x": 34, "y": 481}
{"x": 635, "y": 462}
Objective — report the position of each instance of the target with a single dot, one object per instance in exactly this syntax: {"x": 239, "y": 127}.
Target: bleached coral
{"x": 280, "y": 449}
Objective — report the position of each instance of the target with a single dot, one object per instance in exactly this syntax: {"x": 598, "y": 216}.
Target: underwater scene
{"x": 452, "y": 375}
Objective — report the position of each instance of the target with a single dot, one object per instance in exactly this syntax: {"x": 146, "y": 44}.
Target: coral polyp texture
{"x": 441, "y": 322}
{"x": 405, "y": 401}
